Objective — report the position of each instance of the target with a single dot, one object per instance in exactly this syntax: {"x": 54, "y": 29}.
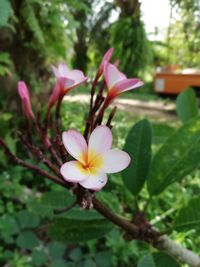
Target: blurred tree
{"x": 81, "y": 15}
{"x": 129, "y": 38}
{"x": 99, "y": 34}
{"x": 36, "y": 33}
{"x": 184, "y": 37}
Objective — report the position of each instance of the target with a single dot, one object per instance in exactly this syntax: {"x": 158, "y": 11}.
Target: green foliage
{"x": 27, "y": 240}
{"x": 138, "y": 146}
{"x": 188, "y": 216}
{"x": 39, "y": 258}
{"x": 8, "y": 228}
{"x": 183, "y": 34}
{"x": 56, "y": 250}
{"x": 176, "y": 158}
{"x": 103, "y": 258}
{"x": 69, "y": 230}
{"x": 5, "y": 12}
{"x": 5, "y": 63}
{"x": 60, "y": 263}
{"x": 32, "y": 21}
{"x": 27, "y": 219}
{"x": 187, "y": 105}
{"x": 158, "y": 259}
{"x": 44, "y": 207}
{"x": 49, "y": 201}
{"x": 128, "y": 37}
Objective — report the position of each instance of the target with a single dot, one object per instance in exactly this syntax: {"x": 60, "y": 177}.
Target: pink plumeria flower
{"x": 105, "y": 58}
{"x": 94, "y": 160}
{"x": 117, "y": 81}
{"x": 25, "y": 98}
{"x": 68, "y": 79}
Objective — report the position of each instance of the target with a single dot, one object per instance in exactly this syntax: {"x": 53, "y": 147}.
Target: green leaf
{"x": 177, "y": 157}
{"x": 5, "y": 11}
{"x": 158, "y": 259}
{"x": 39, "y": 258}
{"x": 27, "y": 240}
{"x": 27, "y": 219}
{"x": 8, "y": 225}
{"x": 188, "y": 216}
{"x": 56, "y": 250}
{"x": 187, "y": 105}
{"x": 76, "y": 255}
{"x": 68, "y": 230}
{"x": 45, "y": 206}
{"x": 89, "y": 263}
{"x": 103, "y": 258}
{"x": 138, "y": 146}
{"x": 60, "y": 263}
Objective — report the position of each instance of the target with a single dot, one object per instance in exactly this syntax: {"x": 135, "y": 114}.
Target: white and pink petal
{"x": 100, "y": 141}
{"x": 63, "y": 70}
{"x": 75, "y": 144}
{"x": 95, "y": 181}
{"x": 112, "y": 75}
{"x": 73, "y": 172}
{"x": 115, "y": 160}
{"x": 125, "y": 85}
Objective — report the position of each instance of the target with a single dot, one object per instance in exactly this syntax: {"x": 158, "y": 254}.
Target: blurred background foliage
{"x": 35, "y": 34}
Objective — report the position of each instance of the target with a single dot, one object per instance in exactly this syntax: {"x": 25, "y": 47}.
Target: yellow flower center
{"x": 92, "y": 162}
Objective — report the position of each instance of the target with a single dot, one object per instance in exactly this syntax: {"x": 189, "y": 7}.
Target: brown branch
{"x": 37, "y": 152}
{"x": 111, "y": 116}
{"x": 124, "y": 224}
{"x": 55, "y": 155}
{"x": 63, "y": 152}
{"x": 58, "y": 211}
{"x": 32, "y": 167}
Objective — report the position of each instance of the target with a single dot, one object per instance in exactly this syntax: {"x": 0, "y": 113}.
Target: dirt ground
{"x": 158, "y": 110}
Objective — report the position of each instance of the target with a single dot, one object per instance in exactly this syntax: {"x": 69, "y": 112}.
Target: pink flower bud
{"x": 105, "y": 58}
{"x": 25, "y": 99}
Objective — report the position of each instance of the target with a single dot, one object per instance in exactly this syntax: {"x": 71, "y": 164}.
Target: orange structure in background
{"x": 171, "y": 81}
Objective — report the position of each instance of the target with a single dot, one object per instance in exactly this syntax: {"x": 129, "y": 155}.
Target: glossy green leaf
{"x": 187, "y": 105}
{"x": 189, "y": 216}
{"x": 138, "y": 146}
{"x": 158, "y": 259}
{"x": 177, "y": 157}
{"x": 68, "y": 230}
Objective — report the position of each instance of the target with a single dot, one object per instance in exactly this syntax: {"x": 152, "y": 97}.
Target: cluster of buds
{"x": 92, "y": 153}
